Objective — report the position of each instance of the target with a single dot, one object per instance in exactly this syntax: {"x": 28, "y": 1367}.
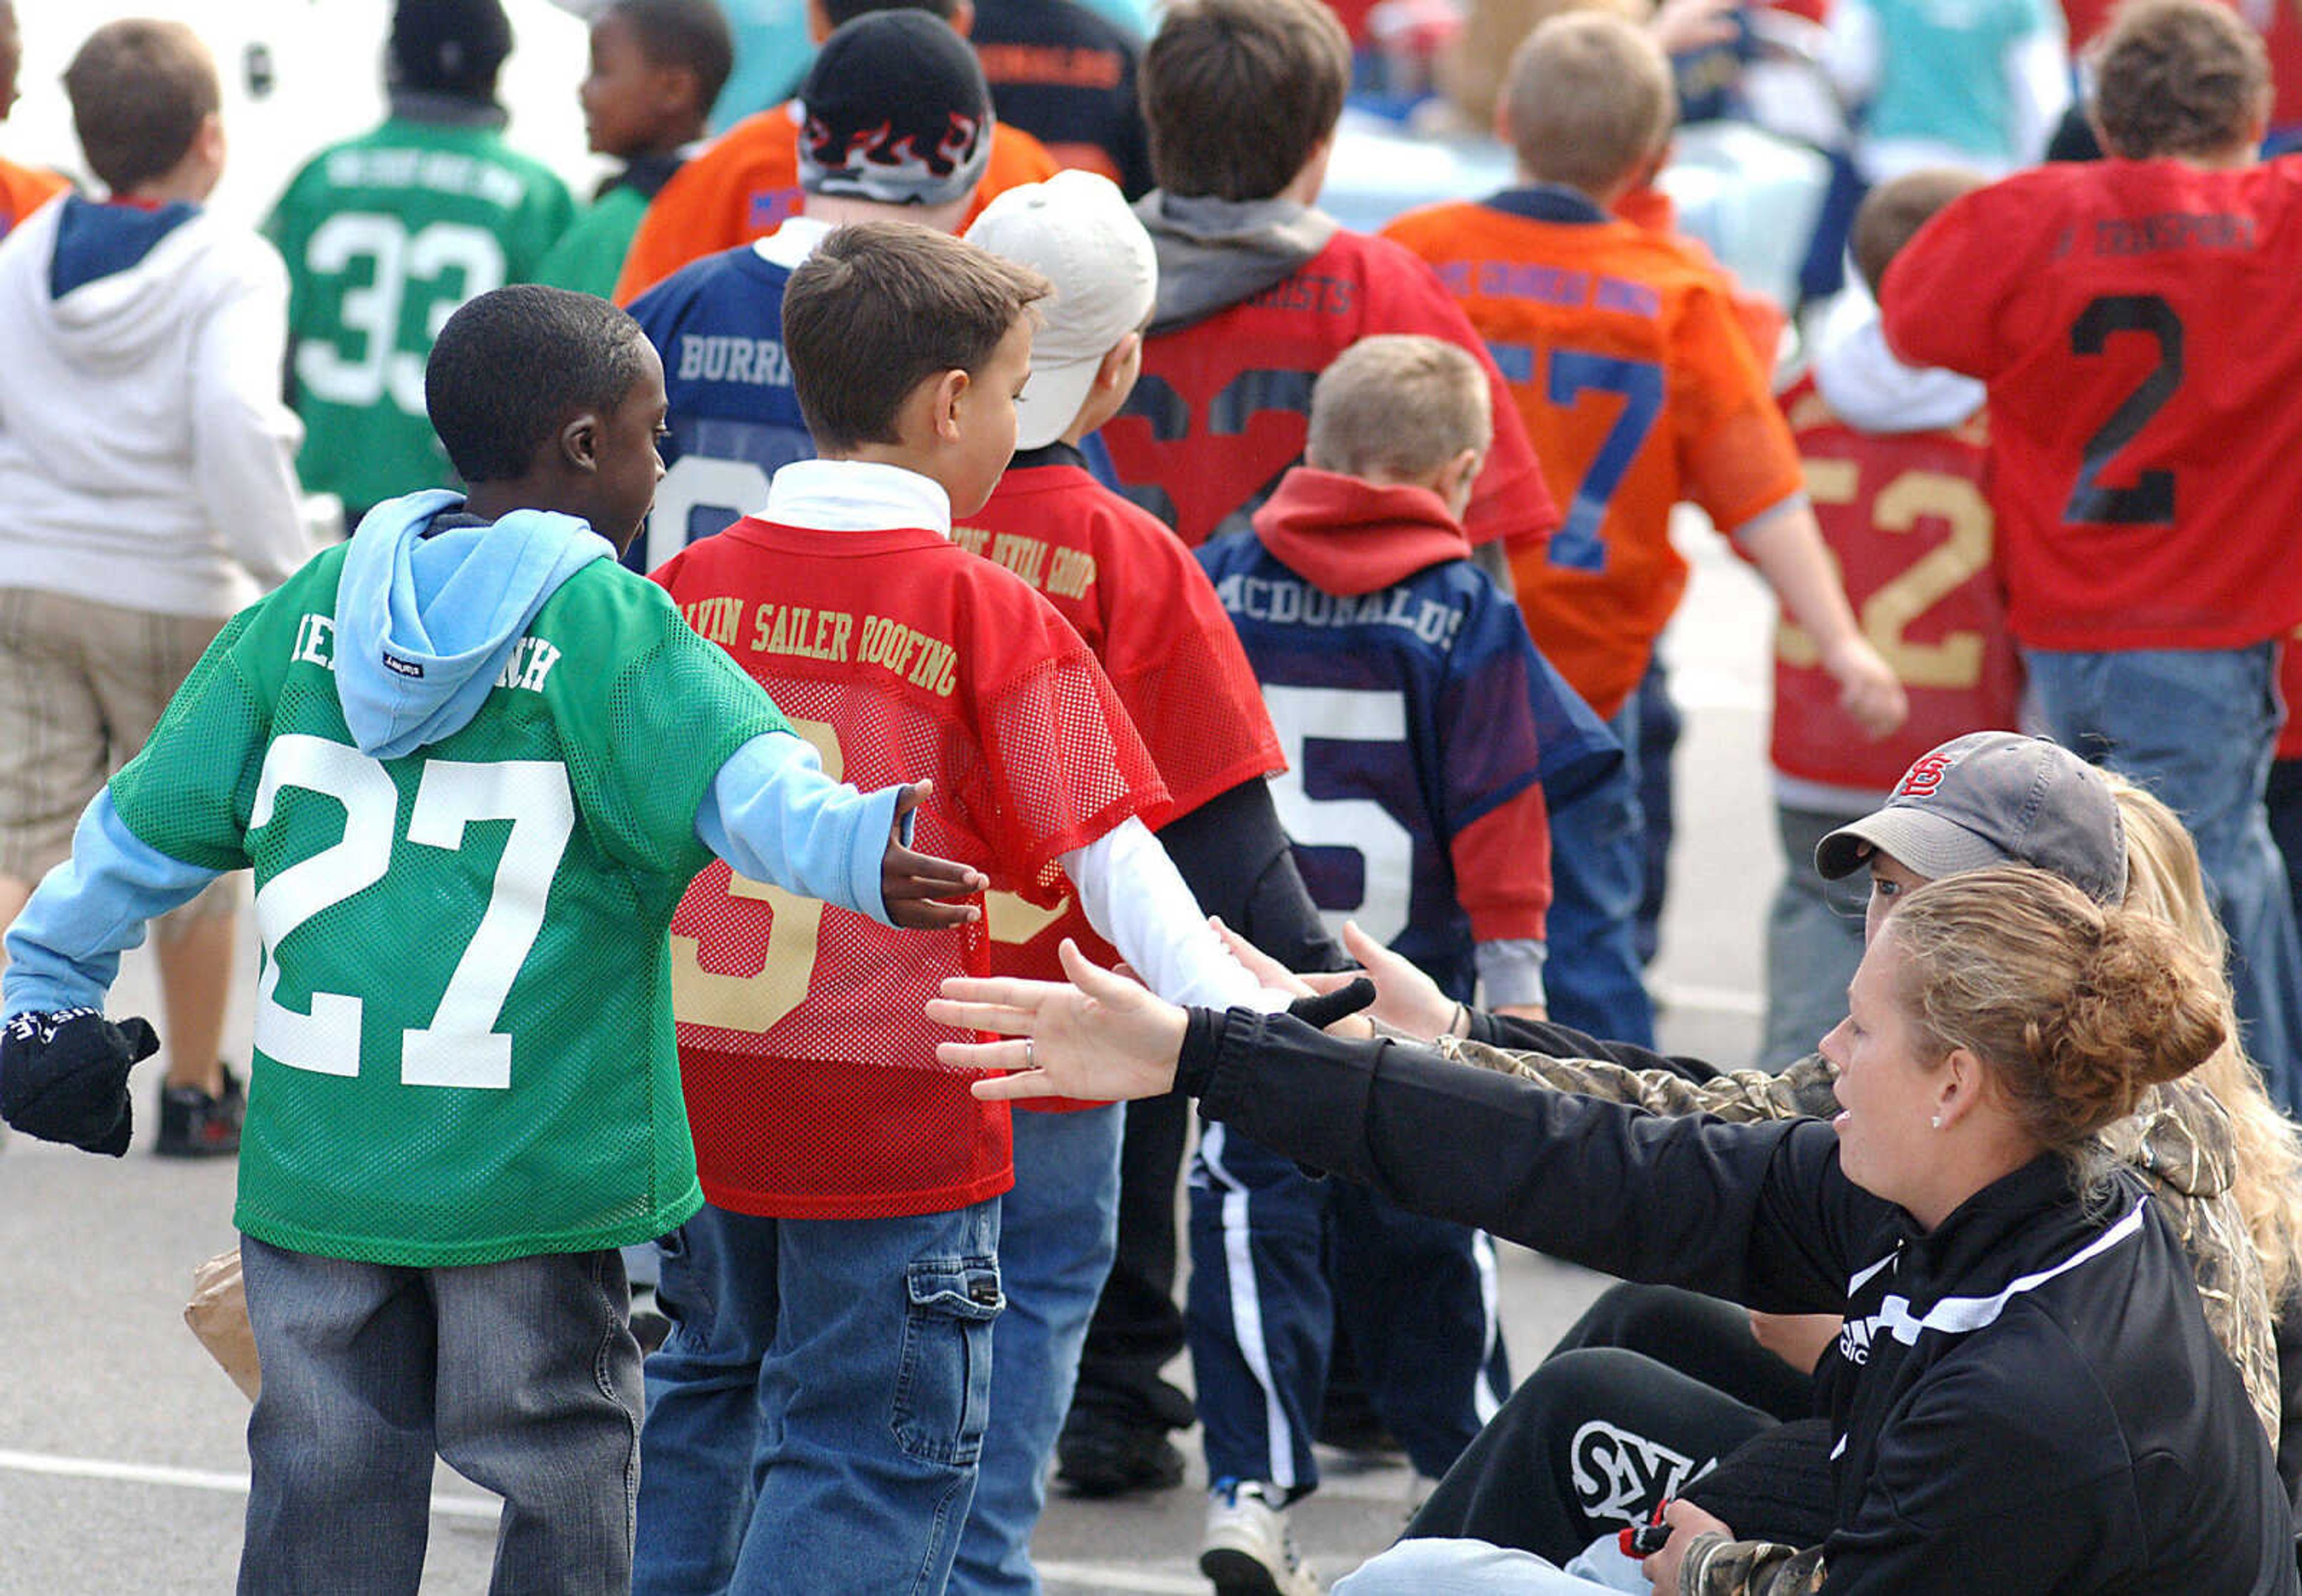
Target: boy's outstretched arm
{"x": 63, "y": 1067}
{"x": 774, "y": 816}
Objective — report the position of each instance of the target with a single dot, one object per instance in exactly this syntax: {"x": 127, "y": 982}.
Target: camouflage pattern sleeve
{"x": 1802, "y": 1091}
{"x": 1716, "y": 1565}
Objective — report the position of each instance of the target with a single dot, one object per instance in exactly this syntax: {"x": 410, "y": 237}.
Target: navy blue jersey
{"x": 718, "y": 322}
{"x": 1408, "y": 716}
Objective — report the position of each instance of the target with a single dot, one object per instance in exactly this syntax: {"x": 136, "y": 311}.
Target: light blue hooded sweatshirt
{"x": 447, "y": 610}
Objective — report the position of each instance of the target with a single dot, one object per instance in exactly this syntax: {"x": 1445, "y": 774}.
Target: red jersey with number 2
{"x": 810, "y": 1067}
{"x": 2134, "y": 322}
{"x": 1223, "y": 406}
{"x": 1905, "y": 517}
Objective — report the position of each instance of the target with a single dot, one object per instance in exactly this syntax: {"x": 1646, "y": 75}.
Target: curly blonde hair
{"x": 2164, "y": 878}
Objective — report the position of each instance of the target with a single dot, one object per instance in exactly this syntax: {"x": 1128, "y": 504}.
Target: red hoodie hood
{"x": 1345, "y": 536}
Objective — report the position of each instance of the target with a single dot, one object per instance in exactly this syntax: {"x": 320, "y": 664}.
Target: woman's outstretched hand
{"x": 1101, "y": 1036}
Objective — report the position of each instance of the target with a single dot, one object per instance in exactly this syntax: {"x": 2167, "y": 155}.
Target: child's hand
{"x": 911, "y": 884}
{"x": 1868, "y": 690}
{"x": 1102, "y": 1036}
{"x": 63, "y": 1077}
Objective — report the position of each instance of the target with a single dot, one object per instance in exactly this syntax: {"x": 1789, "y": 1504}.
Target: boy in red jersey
{"x": 2131, "y": 318}
{"x": 748, "y": 181}
{"x": 1895, "y": 466}
{"x": 1147, "y": 609}
{"x": 847, "y": 1256}
{"x": 1257, "y": 289}
{"x": 1623, "y": 354}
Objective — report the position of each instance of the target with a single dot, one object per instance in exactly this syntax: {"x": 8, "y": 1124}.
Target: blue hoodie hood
{"x": 425, "y": 626}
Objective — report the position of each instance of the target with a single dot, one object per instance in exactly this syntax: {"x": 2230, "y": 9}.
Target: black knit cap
{"x": 896, "y": 111}
{"x": 450, "y": 47}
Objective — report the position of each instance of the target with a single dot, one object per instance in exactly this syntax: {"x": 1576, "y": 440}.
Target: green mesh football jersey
{"x": 385, "y": 236}
{"x": 464, "y": 1046}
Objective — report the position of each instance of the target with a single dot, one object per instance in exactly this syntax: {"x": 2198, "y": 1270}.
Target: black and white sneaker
{"x": 1247, "y": 1550}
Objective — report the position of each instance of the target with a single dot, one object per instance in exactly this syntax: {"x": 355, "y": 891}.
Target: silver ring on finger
{"x": 1028, "y": 1064}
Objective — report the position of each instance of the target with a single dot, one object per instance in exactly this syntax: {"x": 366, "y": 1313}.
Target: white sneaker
{"x": 1247, "y": 1550}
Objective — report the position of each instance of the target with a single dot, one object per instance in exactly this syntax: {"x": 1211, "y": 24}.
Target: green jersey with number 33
{"x": 385, "y": 236}
{"x": 463, "y": 1033}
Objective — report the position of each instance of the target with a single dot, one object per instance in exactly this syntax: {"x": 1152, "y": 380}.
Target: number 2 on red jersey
{"x": 2150, "y": 501}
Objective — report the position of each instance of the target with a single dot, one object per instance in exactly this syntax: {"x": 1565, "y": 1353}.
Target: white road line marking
{"x": 196, "y": 1479}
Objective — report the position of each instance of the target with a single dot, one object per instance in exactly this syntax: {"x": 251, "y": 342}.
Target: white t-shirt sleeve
{"x": 1137, "y": 900}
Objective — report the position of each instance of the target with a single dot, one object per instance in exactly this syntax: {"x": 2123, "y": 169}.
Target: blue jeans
{"x": 1597, "y": 842}
{"x": 2197, "y": 728}
{"x": 522, "y": 1374}
{"x": 814, "y": 1420}
{"x": 1277, "y": 1258}
{"x": 1814, "y": 940}
{"x": 1057, "y": 1231}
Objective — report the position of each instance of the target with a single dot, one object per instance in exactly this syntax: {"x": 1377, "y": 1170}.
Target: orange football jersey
{"x": 1639, "y": 390}
{"x": 24, "y": 189}
{"x": 746, "y": 184}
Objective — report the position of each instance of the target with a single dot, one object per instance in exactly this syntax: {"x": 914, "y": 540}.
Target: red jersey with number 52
{"x": 2134, "y": 322}
{"x": 1905, "y": 517}
{"x": 1142, "y": 603}
{"x": 809, "y": 1065}
{"x": 1223, "y": 406}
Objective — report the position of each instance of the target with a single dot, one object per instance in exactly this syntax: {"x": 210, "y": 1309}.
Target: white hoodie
{"x": 146, "y": 457}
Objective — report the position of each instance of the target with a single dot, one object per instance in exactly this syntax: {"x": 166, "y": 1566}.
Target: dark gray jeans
{"x": 523, "y": 1375}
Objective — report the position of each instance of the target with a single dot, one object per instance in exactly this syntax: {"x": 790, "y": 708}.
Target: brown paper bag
{"x": 218, "y": 1316}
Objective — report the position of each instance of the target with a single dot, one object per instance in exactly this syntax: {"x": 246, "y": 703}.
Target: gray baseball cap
{"x": 1993, "y": 798}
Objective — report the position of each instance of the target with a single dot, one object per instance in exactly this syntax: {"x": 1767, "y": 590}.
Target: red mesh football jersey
{"x": 1142, "y": 603}
{"x": 1907, "y": 522}
{"x": 1223, "y": 405}
{"x": 1623, "y": 353}
{"x": 809, "y": 1067}
{"x": 2133, "y": 321}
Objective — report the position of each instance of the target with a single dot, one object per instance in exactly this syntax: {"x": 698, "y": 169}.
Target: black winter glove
{"x": 63, "y": 1077}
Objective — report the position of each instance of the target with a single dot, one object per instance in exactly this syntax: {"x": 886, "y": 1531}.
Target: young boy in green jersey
{"x": 656, "y": 66}
{"x": 387, "y": 233}
{"x": 472, "y": 762}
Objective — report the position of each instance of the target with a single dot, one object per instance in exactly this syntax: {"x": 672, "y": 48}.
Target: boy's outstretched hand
{"x": 914, "y": 885}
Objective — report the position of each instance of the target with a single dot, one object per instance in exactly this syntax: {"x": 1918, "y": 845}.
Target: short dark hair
{"x": 2177, "y": 78}
{"x": 448, "y": 46}
{"x": 1892, "y": 213}
{"x": 1239, "y": 94}
{"x": 880, "y": 308}
{"x": 840, "y": 13}
{"x": 139, "y": 91}
{"x": 689, "y": 33}
{"x": 511, "y": 366}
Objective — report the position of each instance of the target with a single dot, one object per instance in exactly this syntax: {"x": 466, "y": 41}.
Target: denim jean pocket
{"x": 943, "y": 1384}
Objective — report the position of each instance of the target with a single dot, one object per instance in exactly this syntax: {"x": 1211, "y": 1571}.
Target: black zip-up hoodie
{"x": 2025, "y": 1400}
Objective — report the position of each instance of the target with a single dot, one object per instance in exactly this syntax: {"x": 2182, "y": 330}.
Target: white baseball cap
{"x": 1076, "y": 229}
